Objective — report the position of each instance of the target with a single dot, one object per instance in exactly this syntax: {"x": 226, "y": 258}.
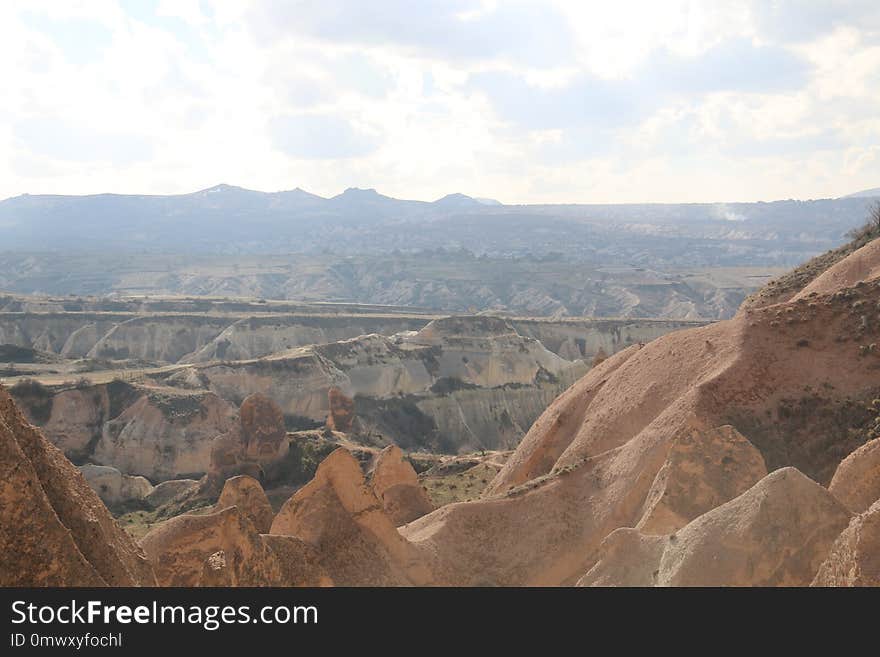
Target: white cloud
{"x": 524, "y": 101}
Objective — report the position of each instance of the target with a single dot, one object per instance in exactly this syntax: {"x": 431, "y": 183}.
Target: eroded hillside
{"x": 142, "y": 387}
{"x": 739, "y": 453}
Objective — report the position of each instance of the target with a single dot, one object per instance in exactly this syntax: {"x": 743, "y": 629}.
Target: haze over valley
{"x": 456, "y": 254}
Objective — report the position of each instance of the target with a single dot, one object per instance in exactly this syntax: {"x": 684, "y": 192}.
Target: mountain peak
{"x": 359, "y": 192}
{"x": 460, "y": 200}
{"x": 222, "y": 188}
{"x": 456, "y": 198}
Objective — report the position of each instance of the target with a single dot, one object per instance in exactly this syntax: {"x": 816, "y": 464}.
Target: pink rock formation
{"x": 258, "y": 440}
{"x": 861, "y": 265}
{"x": 54, "y": 530}
{"x": 246, "y": 493}
{"x": 775, "y": 534}
{"x": 703, "y": 469}
{"x": 854, "y": 559}
{"x": 856, "y": 481}
{"x": 263, "y": 430}
{"x": 180, "y": 547}
{"x": 397, "y": 486}
{"x": 341, "y": 415}
{"x": 358, "y": 544}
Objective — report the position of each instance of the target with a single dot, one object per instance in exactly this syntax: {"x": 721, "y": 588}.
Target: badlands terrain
{"x": 743, "y": 452}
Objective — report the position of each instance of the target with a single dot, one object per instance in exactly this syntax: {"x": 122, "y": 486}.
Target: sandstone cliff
{"x": 54, "y": 530}
{"x": 165, "y": 434}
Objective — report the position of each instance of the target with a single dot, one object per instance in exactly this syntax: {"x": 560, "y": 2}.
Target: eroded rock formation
{"x": 165, "y": 435}
{"x": 180, "y": 547}
{"x": 703, "y": 469}
{"x": 795, "y": 378}
{"x": 341, "y": 415}
{"x": 357, "y": 543}
{"x": 252, "y": 445}
{"x": 777, "y": 533}
{"x": 246, "y": 493}
{"x": 856, "y": 481}
{"x": 54, "y": 530}
{"x": 854, "y": 559}
{"x": 113, "y": 487}
{"x": 262, "y": 429}
{"x": 397, "y": 486}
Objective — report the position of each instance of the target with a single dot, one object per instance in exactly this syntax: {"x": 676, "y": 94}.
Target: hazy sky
{"x": 579, "y": 101}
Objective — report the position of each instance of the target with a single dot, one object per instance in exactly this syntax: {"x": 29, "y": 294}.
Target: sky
{"x": 522, "y": 101}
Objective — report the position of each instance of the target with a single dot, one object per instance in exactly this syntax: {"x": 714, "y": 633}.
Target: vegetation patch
{"x": 448, "y": 384}
{"x": 812, "y": 433}
{"x": 449, "y": 485}
{"x": 35, "y": 397}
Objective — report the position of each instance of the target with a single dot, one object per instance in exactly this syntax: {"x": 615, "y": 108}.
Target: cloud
{"x": 734, "y": 65}
{"x": 526, "y": 100}
{"x": 588, "y": 100}
{"x": 317, "y": 137}
{"x": 81, "y": 40}
{"x": 526, "y": 32}
{"x": 805, "y": 20}
{"x": 65, "y": 140}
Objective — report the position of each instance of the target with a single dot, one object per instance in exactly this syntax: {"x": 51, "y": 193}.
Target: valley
{"x": 241, "y": 442}
{"x": 146, "y": 386}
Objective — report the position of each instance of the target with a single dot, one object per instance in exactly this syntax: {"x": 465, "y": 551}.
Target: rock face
{"x": 459, "y": 385}
{"x": 163, "y": 337}
{"x": 227, "y": 547}
{"x": 255, "y": 337}
{"x": 703, "y": 469}
{"x": 168, "y": 490}
{"x": 180, "y": 547}
{"x": 543, "y": 532}
{"x": 855, "y": 556}
{"x": 77, "y": 416}
{"x": 485, "y": 351}
{"x": 159, "y": 338}
{"x": 595, "y": 339}
{"x": 113, "y": 487}
{"x": 246, "y": 493}
{"x": 298, "y": 562}
{"x": 856, "y": 481}
{"x": 775, "y": 534}
{"x": 165, "y": 436}
{"x": 341, "y": 415}
{"x": 262, "y": 429}
{"x": 257, "y": 441}
{"x": 397, "y": 486}
{"x": 409, "y": 387}
{"x": 785, "y": 376}
{"x": 553, "y": 430}
{"x": 338, "y": 515}
{"x": 796, "y": 378}
{"x": 54, "y": 530}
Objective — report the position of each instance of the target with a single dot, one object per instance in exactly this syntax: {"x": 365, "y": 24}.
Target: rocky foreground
{"x": 744, "y": 453}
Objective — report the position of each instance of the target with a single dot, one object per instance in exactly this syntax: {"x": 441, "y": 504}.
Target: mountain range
{"x": 231, "y": 220}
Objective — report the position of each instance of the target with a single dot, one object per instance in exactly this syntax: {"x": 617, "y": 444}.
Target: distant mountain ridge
{"x": 866, "y": 193}
{"x": 226, "y": 219}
